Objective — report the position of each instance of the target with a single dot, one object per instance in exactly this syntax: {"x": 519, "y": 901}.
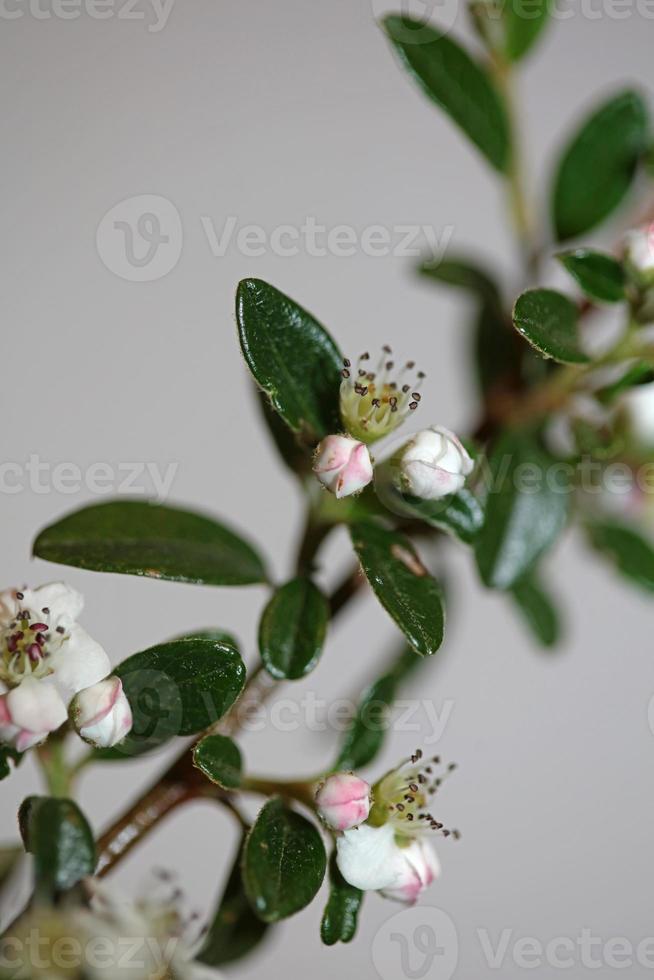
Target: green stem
{"x": 54, "y": 766}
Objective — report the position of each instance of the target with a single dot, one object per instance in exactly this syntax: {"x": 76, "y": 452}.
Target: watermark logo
{"x": 415, "y": 944}
{"x": 154, "y": 13}
{"x": 140, "y": 239}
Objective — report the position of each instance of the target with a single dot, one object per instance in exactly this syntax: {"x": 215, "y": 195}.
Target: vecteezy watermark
{"x": 140, "y": 239}
{"x": 154, "y": 13}
{"x": 417, "y": 943}
{"x": 565, "y": 952}
{"x": 65, "y": 954}
{"x": 36, "y": 475}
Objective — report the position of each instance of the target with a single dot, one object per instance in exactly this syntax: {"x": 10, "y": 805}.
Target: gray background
{"x": 272, "y": 111}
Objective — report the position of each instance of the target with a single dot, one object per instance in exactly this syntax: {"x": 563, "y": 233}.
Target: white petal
{"x": 78, "y": 663}
{"x": 369, "y": 858}
{"x": 36, "y": 706}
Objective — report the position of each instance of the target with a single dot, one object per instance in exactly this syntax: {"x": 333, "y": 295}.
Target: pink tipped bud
{"x": 342, "y": 465}
{"x": 101, "y": 713}
{"x": 343, "y": 800}
{"x": 433, "y": 464}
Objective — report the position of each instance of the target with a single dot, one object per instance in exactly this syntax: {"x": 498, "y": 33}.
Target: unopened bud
{"x": 342, "y": 465}
{"x": 101, "y": 713}
{"x": 343, "y": 800}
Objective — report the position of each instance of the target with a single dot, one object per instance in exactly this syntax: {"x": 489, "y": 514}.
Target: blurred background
{"x": 214, "y": 116}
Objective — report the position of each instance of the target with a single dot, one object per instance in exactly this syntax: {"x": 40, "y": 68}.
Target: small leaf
{"x": 56, "y": 832}
{"x": 523, "y": 22}
{"x": 133, "y": 537}
{"x": 525, "y": 511}
{"x": 631, "y": 553}
{"x": 600, "y": 276}
{"x": 538, "y": 611}
{"x": 291, "y": 357}
{"x": 464, "y": 274}
{"x": 450, "y": 77}
{"x": 548, "y": 320}
{"x": 8, "y": 754}
{"x": 365, "y": 736}
{"x": 599, "y": 164}
{"x": 293, "y": 629}
{"x": 176, "y": 688}
{"x": 406, "y": 590}
{"x": 339, "y": 920}
{"x": 459, "y": 513}
{"x": 235, "y": 930}
{"x": 283, "y": 862}
{"x": 291, "y": 453}
{"x": 219, "y": 758}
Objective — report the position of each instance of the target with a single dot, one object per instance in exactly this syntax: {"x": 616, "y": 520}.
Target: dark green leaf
{"x": 235, "y": 930}
{"x": 599, "y": 164}
{"x": 449, "y": 76}
{"x": 525, "y": 511}
{"x": 219, "y": 758}
{"x": 56, "y": 832}
{"x": 459, "y": 513}
{"x": 293, "y": 629}
{"x": 133, "y": 537}
{"x": 496, "y": 348}
{"x": 176, "y": 688}
{"x": 339, "y": 920}
{"x": 292, "y": 358}
{"x": 600, "y": 276}
{"x": 292, "y": 454}
{"x": 548, "y": 320}
{"x": 6, "y": 755}
{"x": 216, "y": 635}
{"x": 406, "y": 590}
{"x": 538, "y": 611}
{"x": 464, "y": 274}
{"x": 367, "y": 731}
{"x": 632, "y": 554}
{"x": 283, "y": 862}
{"x": 523, "y": 22}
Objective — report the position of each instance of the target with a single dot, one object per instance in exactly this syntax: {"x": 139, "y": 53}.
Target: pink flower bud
{"x": 342, "y": 465}
{"x": 101, "y": 713}
{"x": 433, "y": 464}
{"x": 343, "y": 800}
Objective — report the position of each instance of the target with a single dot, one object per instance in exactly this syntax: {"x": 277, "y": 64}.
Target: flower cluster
{"x": 372, "y": 405}
{"x": 382, "y": 831}
{"x": 49, "y": 665}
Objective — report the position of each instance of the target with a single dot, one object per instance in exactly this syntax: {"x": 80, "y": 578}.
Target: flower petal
{"x": 78, "y": 663}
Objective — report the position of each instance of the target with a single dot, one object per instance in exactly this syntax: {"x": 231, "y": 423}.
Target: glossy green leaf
{"x": 219, "y": 758}
{"x": 214, "y": 634}
{"x": 56, "y": 832}
{"x": 292, "y": 358}
{"x": 464, "y": 274}
{"x": 548, "y": 320}
{"x": 339, "y": 920}
{"x": 524, "y": 21}
{"x": 296, "y": 457}
{"x": 176, "y": 688}
{"x": 133, "y": 537}
{"x": 525, "y": 511}
{"x": 631, "y": 553}
{"x": 235, "y": 930}
{"x": 367, "y": 731}
{"x": 538, "y": 611}
{"x": 600, "y": 276}
{"x": 7, "y": 757}
{"x": 404, "y": 587}
{"x": 599, "y": 164}
{"x": 293, "y": 629}
{"x": 449, "y": 76}
{"x": 461, "y": 514}
{"x": 496, "y": 348}
{"x": 283, "y": 862}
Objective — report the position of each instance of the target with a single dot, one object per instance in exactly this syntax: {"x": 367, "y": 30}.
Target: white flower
{"x": 45, "y": 659}
{"x": 432, "y": 464}
{"x": 640, "y": 252}
{"x": 101, "y": 713}
{"x": 342, "y": 465}
{"x": 374, "y": 403}
{"x": 638, "y": 404}
{"x": 343, "y": 800}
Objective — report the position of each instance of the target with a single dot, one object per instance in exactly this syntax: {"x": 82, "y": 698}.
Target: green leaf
{"x": 133, "y": 537}
{"x": 538, "y": 611}
{"x": 293, "y": 629}
{"x": 176, "y": 688}
{"x": 632, "y": 554}
{"x": 599, "y": 164}
{"x": 548, "y": 320}
{"x": 235, "y": 930}
{"x": 525, "y": 511}
{"x": 450, "y": 77}
{"x": 214, "y": 634}
{"x": 283, "y": 862}
{"x": 6, "y": 755}
{"x": 219, "y": 758}
{"x": 9, "y": 855}
{"x": 406, "y": 590}
{"x": 459, "y": 513}
{"x": 600, "y": 276}
{"x": 637, "y": 373}
{"x": 56, "y": 832}
{"x": 496, "y": 348}
{"x": 292, "y": 358}
{"x": 523, "y": 22}
{"x": 339, "y": 920}
{"x": 464, "y": 274}
{"x": 292, "y": 454}
{"x": 365, "y": 736}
